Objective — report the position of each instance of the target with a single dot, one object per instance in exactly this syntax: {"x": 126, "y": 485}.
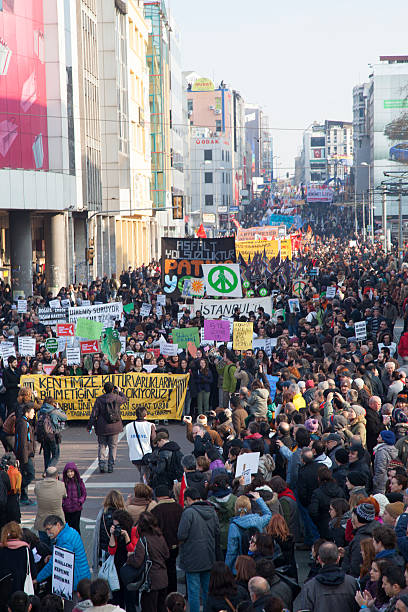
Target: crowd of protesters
{"x": 327, "y": 413}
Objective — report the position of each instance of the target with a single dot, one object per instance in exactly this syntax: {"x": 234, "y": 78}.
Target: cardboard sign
{"x": 360, "y": 329}
{"x": 65, "y": 303}
{"x": 222, "y": 280}
{"x": 331, "y": 292}
{"x": 26, "y": 346}
{"x": 217, "y": 329}
{"x": 89, "y": 347}
{"x": 145, "y": 310}
{"x": 248, "y": 461}
{"x": 242, "y": 335}
{"x": 110, "y": 344}
{"x": 86, "y": 328}
{"x": 54, "y": 304}
{"x": 169, "y": 350}
{"x": 294, "y": 306}
{"x": 7, "y": 349}
{"x": 73, "y": 356}
{"x": 65, "y": 329}
{"x": 52, "y": 316}
{"x": 104, "y": 313}
{"x": 212, "y": 309}
{"x": 161, "y": 299}
{"x": 63, "y": 562}
{"x": 21, "y": 306}
{"x": 182, "y": 336}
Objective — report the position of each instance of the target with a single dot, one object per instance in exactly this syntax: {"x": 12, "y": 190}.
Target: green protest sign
{"x": 51, "y": 345}
{"x": 111, "y": 345}
{"x": 90, "y": 330}
{"x": 128, "y": 307}
{"x": 182, "y": 336}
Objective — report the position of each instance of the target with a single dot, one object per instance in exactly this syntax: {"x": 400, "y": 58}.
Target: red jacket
{"x": 403, "y": 345}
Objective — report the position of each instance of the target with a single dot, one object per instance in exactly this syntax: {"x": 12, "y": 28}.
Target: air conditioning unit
{"x": 212, "y": 107}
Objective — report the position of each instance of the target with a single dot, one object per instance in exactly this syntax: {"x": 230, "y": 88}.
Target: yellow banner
{"x": 242, "y": 335}
{"x": 249, "y": 248}
{"x": 162, "y": 395}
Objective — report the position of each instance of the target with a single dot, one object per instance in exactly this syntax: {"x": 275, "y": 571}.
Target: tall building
{"x": 314, "y": 158}
{"x": 361, "y": 138}
{"x": 339, "y": 152}
{"x": 388, "y": 126}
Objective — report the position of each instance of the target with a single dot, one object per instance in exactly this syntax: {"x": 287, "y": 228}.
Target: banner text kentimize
{"x": 54, "y": 383}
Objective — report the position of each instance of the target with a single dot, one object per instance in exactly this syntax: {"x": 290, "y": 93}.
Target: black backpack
{"x": 175, "y": 469}
{"x": 44, "y": 431}
{"x": 112, "y": 412}
{"x": 245, "y": 536}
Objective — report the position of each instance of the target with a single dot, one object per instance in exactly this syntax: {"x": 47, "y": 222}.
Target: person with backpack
{"x": 76, "y": 495}
{"x": 106, "y": 418}
{"x": 50, "y": 422}
{"x": 244, "y": 525}
{"x": 165, "y": 461}
{"x": 140, "y": 435}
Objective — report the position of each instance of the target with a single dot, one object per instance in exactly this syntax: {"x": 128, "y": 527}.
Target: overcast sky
{"x": 299, "y": 60}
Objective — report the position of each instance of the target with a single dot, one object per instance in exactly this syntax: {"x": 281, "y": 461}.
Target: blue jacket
{"x": 246, "y": 521}
{"x": 401, "y": 533}
{"x": 69, "y": 539}
{"x": 294, "y": 461}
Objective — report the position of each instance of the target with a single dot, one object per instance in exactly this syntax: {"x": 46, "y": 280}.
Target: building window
{"x": 223, "y": 177}
{"x": 207, "y": 154}
{"x": 121, "y": 81}
{"x": 209, "y": 199}
{"x": 190, "y": 105}
{"x": 222, "y": 154}
{"x": 218, "y": 125}
{"x": 208, "y": 177}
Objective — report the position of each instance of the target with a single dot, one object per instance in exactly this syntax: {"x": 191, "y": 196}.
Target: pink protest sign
{"x": 217, "y": 330}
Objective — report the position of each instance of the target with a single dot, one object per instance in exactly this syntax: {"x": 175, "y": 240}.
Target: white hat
{"x": 359, "y": 382}
{"x": 382, "y": 502}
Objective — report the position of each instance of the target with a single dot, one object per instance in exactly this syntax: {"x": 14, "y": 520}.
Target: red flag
{"x": 201, "y": 232}
{"x": 182, "y": 489}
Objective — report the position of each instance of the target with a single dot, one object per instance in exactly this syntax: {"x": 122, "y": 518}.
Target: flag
{"x": 182, "y": 489}
{"x": 128, "y": 307}
{"x": 201, "y": 232}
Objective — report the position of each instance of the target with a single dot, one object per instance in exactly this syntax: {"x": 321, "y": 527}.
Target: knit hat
{"x": 356, "y": 479}
{"x": 359, "y": 410}
{"x": 162, "y": 491}
{"x": 359, "y": 382}
{"x": 395, "y": 509}
{"x": 341, "y": 456}
{"x": 382, "y": 502}
{"x": 237, "y": 443}
{"x": 302, "y": 384}
{"x": 312, "y": 425}
{"x": 310, "y": 384}
{"x": 404, "y": 599}
{"x": 388, "y": 437}
{"x": 394, "y": 463}
{"x": 365, "y": 513}
{"x": 201, "y": 419}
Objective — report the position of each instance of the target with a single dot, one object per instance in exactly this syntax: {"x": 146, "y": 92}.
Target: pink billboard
{"x": 23, "y": 99}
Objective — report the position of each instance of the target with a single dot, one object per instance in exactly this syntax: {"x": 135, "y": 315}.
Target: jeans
{"x": 194, "y": 581}
{"x": 203, "y": 401}
{"x": 143, "y": 470}
{"x": 187, "y": 404}
{"x": 104, "y": 443}
{"x": 28, "y": 475}
{"x": 311, "y": 531}
{"x": 51, "y": 452}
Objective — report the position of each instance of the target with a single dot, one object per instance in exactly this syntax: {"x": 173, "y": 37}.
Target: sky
{"x": 298, "y": 60}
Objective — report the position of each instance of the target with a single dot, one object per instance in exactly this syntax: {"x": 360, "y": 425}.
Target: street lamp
{"x": 370, "y": 207}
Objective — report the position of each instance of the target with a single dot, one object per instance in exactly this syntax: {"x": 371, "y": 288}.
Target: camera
{"x": 117, "y": 532}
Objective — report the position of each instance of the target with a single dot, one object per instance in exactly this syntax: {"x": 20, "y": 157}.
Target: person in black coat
{"x": 374, "y": 422}
{"x": 13, "y": 556}
{"x": 341, "y": 468}
{"x": 358, "y": 463}
{"x": 321, "y": 498}
{"x": 11, "y": 381}
{"x": 307, "y": 480}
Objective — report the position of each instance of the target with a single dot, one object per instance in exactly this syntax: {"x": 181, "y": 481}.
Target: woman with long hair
{"x": 245, "y": 568}
{"x": 223, "y": 592}
{"x": 138, "y": 366}
{"x": 113, "y": 501}
{"x": 150, "y": 535}
{"x": 15, "y": 555}
{"x": 338, "y": 521}
{"x": 141, "y": 501}
{"x": 278, "y": 529}
{"x": 288, "y": 504}
{"x": 203, "y": 379}
{"x": 123, "y": 538}
{"x": 374, "y": 587}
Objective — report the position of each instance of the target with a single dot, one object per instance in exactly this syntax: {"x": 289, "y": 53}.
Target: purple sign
{"x": 217, "y": 330}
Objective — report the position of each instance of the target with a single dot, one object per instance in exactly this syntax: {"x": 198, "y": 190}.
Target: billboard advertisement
{"x": 23, "y": 100}
{"x": 389, "y": 105}
{"x": 319, "y": 193}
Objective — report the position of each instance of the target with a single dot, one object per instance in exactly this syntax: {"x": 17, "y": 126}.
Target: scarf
{"x": 15, "y": 544}
{"x": 287, "y": 493}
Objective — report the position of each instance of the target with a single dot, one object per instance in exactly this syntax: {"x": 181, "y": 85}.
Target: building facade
{"x": 361, "y": 138}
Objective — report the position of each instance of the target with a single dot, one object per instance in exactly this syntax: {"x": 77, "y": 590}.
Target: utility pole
{"x": 384, "y": 211}
{"x": 364, "y": 221}
{"x": 400, "y": 253}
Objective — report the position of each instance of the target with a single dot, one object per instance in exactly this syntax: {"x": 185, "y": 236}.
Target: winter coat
{"x": 337, "y": 530}
{"x": 158, "y": 553}
{"x": 403, "y": 345}
{"x": 340, "y": 474}
{"x": 357, "y": 428}
{"x": 320, "y": 504}
{"x": 50, "y": 493}
{"x": 11, "y": 380}
{"x": 294, "y": 461}
{"x": 214, "y": 435}
{"x": 362, "y": 468}
{"x": 225, "y": 508}
{"x": 298, "y": 401}
{"x": 160, "y": 469}
{"x": 25, "y": 441}
{"x": 279, "y": 588}
{"x": 197, "y": 480}
{"x": 374, "y": 425}
{"x": 266, "y": 467}
{"x": 229, "y": 382}
{"x": 353, "y": 559}
{"x": 401, "y": 533}
{"x": 402, "y": 446}
{"x": 244, "y": 522}
{"x": 203, "y": 381}
{"x": 56, "y": 415}
{"x": 216, "y": 603}
{"x": 383, "y": 454}
{"x": 198, "y": 533}
{"x": 290, "y": 513}
{"x": 307, "y": 482}
{"x": 98, "y": 415}
{"x": 258, "y": 403}
{"x": 15, "y": 561}
{"x": 330, "y": 590}
{"x": 76, "y": 491}
{"x": 238, "y": 419}
{"x": 135, "y": 507}
{"x": 70, "y": 539}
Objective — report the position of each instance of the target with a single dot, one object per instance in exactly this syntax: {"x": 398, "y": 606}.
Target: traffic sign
{"x": 66, "y": 330}
{"x": 51, "y": 345}
{"x": 89, "y": 347}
